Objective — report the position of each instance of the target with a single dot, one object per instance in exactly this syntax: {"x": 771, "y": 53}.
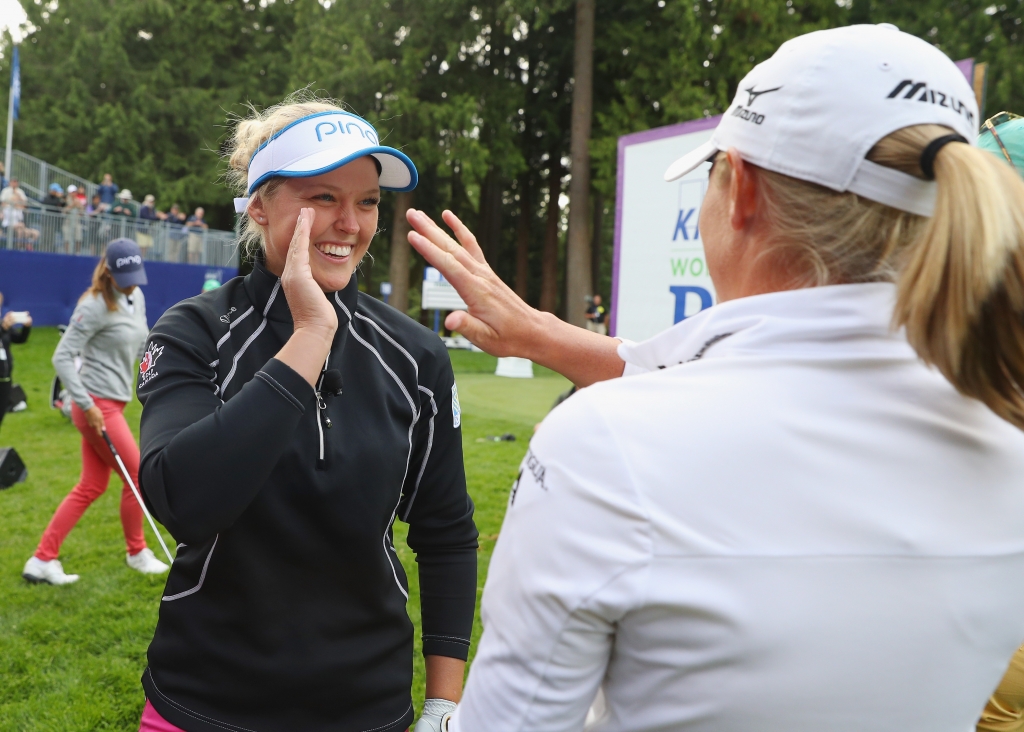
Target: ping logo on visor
{"x": 345, "y": 128}
{"x": 320, "y": 143}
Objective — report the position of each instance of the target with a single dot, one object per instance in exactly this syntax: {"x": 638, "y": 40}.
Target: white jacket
{"x": 789, "y": 524}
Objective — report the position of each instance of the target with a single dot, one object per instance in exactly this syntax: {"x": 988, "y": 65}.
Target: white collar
{"x": 836, "y": 321}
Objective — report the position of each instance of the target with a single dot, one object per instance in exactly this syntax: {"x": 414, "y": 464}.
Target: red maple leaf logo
{"x": 149, "y": 359}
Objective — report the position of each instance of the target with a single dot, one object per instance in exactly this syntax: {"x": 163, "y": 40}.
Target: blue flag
{"x": 16, "y": 83}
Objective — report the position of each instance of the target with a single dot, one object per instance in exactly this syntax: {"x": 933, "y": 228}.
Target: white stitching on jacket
{"x": 276, "y": 386}
{"x": 189, "y": 712}
{"x": 391, "y": 724}
{"x": 426, "y": 455}
{"x": 231, "y": 327}
{"x": 234, "y": 361}
{"x": 393, "y": 342}
{"x": 405, "y": 392}
{"x": 447, "y": 637}
{"x": 408, "y": 456}
{"x": 412, "y": 425}
{"x": 202, "y": 576}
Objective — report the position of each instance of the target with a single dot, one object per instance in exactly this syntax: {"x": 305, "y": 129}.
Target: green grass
{"x": 71, "y": 657}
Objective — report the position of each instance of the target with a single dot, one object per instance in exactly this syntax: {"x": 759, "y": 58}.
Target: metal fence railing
{"x": 35, "y": 176}
{"x": 45, "y": 229}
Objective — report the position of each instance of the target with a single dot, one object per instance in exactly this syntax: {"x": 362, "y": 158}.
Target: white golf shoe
{"x": 146, "y": 562}
{"x": 51, "y": 573}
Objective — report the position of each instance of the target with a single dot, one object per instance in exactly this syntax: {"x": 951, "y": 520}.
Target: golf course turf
{"x": 71, "y": 657}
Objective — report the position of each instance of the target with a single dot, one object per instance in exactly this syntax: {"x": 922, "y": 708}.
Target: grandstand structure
{"x": 52, "y": 230}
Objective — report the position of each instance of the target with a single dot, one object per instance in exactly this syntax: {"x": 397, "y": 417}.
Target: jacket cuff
{"x": 288, "y": 383}
{"x": 443, "y": 645}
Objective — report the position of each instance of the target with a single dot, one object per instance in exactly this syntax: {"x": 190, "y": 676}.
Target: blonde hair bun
{"x": 251, "y": 132}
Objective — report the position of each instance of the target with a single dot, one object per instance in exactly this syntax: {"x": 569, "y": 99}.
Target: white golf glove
{"x": 436, "y": 715}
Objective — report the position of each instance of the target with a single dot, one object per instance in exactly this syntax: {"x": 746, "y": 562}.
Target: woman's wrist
{"x": 320, "y": 334}
{"x": 306, "y": 351}
{"x": 546, "y": 338}
{"x": 578, "y": 354}
{"x": 444, "y": 678}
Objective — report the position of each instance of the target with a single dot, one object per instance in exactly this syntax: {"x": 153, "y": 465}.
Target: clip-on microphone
{"x": 331, "y": 384}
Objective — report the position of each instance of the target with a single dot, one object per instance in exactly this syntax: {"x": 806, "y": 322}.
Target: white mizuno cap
{"x": 816, "y": 107}
{"x": 318, "y": 144}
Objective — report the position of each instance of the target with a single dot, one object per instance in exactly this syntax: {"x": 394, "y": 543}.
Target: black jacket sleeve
{"x": 440, "y": 516}
{"x": 20, "y": 335}
{"x": 203, "y": 461}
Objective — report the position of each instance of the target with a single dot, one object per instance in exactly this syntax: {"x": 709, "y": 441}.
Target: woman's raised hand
{"x": 498, "y": 320}
{"x": 312, "y": 313}
{"x": 310, "y": 308}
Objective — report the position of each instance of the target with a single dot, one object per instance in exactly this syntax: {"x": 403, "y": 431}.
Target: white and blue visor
{"x": 320, "y": 143}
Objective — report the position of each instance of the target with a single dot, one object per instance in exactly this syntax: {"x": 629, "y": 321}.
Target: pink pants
{"x": 153, "y": 722}
{"x": 97, "y": 462}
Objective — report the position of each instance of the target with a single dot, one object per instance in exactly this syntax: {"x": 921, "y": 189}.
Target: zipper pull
{"x": 322, "y": 406}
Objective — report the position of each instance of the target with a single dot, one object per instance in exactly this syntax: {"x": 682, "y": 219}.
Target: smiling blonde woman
{"x": 288, "y": 421}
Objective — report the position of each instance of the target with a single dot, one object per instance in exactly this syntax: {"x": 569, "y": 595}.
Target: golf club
{"x": 138, "y": 496}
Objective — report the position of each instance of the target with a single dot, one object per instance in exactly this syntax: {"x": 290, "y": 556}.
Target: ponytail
{"x": 959, "y": 274}
{"x": 102, "y": 284}
{"x": 961, "y": 286}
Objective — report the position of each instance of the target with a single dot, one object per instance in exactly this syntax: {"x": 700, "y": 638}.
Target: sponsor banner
{"x": 49, "y": 285}
{"x": 659, "y": 274}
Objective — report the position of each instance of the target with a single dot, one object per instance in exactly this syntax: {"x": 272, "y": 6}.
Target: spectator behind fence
{"x": 54, "y": 198}
{"x": 3, "y": 177}
{"x": 148, "y": 217}
{"x": 125, "y": 205}
{"x": 95, "y": 205}
{"x": 74, "y": 211}
{"x": 12, "y": 205}
{"x": 108, "y": 192}
{"x": 175, "y": 219}
{"x": 196, "y": 234}
{"x": 13, "y": 329}
{"x": 107, "y": 331}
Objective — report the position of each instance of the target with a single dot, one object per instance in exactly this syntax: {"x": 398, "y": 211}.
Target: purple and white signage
{"x": 659, "y": 274}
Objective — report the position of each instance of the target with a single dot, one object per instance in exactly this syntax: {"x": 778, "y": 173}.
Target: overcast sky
{"x": 12, "y": 15}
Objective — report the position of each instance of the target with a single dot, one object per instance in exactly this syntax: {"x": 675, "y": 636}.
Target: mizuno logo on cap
{"x": 919, "y": 91}
{"x": 754, "y": 94}
{"x": 747, "y": 115}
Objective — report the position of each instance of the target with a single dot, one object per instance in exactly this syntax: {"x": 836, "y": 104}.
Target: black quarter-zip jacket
{"x": 285, "y": 608}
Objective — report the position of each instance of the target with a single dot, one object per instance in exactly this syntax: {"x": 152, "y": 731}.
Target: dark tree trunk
{"x": 577, "y": 254}
{"x": 523, "y": 236}
{"x": 595, "y": 250}
{"x": 489, "y": 231}
{"x": 400, "y": 254}
{"x": 549, "y": 257}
